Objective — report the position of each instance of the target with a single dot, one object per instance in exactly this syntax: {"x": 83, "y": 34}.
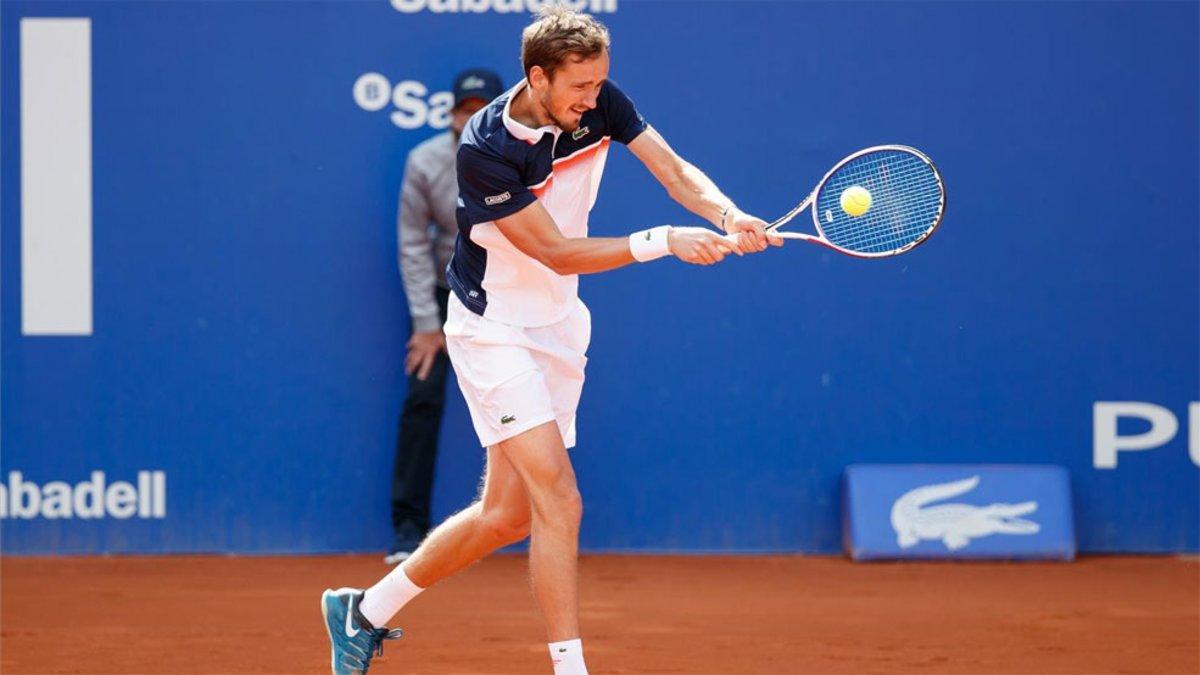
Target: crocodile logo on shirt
{"x": 507, "y": 418}
{"x": 579, "y": 133}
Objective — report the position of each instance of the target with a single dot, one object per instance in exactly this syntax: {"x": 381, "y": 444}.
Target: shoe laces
{"x": 378, "y": 635}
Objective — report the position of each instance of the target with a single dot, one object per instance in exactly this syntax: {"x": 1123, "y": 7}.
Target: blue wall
{"x": 250, "y": 322}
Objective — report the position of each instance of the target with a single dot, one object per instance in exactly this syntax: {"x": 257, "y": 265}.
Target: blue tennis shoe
{"x": 353, "y": 640}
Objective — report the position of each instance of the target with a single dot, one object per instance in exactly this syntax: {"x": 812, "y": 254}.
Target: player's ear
{"x": 538, "y": 78}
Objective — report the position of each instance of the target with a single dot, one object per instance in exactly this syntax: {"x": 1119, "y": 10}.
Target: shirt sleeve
{"x": 489, "y": 187}
{"x": 417, "y": 269}
{"x": 625, "y": 123}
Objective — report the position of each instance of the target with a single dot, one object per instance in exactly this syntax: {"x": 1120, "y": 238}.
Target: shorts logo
{"x": 497, "y": 199}
{"x": 507, "y": 418}
{"x": 579, "y": 133}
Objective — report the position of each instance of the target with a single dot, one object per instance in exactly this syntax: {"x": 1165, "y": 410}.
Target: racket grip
{"x": 732, "y": 238}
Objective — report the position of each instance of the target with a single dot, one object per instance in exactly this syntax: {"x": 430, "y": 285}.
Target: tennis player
{"x": 529, "y": 168}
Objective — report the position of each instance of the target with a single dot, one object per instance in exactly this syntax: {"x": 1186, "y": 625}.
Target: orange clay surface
{"x": 641, "y": 614}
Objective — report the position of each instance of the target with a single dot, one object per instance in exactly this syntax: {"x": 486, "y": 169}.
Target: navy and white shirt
{"x": 503, "y": 166}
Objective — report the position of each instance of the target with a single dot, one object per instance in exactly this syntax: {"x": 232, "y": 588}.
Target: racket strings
{"x": 896, "y": 217}
{"x": 906, "y": 202}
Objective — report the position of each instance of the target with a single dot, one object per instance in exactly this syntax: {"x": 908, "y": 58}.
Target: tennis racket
{"x": 878, "y": 202}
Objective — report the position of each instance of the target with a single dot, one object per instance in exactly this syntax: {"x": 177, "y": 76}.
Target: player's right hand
{"x": 751, "y": 232}
{"x": 699, "y": 246}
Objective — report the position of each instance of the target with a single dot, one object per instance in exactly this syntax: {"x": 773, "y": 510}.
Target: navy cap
{"x": 479, "y": 83}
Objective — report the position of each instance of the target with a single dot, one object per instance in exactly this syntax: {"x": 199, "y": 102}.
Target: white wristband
{"x": 650, "y": 244}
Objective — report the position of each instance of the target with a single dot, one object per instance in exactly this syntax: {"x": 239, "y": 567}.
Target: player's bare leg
{"x": 529, "y": 487}
{"x": 355, "y": 620}
{"x": 541, "y": 460}
{"x": 500, "y": 517}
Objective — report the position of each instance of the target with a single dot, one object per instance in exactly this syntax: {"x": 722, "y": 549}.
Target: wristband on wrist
{"x": 650, "y": 244}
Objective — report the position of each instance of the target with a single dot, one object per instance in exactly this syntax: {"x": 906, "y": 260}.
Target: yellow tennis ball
{"x": 856, "y": 200}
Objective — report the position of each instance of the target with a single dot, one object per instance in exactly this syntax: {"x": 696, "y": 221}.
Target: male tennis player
{"x": 529, "y": 167}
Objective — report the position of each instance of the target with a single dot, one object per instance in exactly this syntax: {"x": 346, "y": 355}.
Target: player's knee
{"x": 560, "y": 504}
{"x": 505, "y": 526}
{"x": 572, "y": 506}
{"x": 516, "y": 530}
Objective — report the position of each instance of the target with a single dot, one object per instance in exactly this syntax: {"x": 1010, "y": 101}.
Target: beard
{"x": 561, "y": 124}
{"x": 558, "y": 121}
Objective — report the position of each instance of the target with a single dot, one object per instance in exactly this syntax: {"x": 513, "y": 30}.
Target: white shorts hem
{"x": 515, "y": 431}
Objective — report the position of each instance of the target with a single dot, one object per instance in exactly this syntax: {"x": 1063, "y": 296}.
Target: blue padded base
{"x": 895, "y": 511}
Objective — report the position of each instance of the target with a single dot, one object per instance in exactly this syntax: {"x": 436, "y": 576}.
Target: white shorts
{"x": 516, "y": 378}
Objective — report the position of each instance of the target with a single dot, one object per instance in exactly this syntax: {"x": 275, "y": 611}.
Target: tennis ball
{"x": 856, "y": 200}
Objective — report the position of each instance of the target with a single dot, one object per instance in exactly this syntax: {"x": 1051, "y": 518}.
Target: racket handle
{"x": 732, "y": 238}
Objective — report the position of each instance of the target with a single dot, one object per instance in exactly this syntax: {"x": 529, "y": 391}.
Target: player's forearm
{"x": 588, "y": 255}
{"x": 697, "y": 193}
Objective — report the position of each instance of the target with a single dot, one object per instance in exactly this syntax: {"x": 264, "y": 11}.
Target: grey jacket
{"x": 426, "y": 227}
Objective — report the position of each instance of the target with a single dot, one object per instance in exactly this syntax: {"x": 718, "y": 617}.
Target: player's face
{"x": 573, "y": 90}
{"x": 462, "y": 113}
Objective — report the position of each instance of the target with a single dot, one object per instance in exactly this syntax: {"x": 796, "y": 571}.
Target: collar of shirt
{"x": 518, "y": 130}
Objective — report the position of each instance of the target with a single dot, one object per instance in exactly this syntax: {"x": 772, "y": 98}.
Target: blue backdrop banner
{"x": 239, "y": 384}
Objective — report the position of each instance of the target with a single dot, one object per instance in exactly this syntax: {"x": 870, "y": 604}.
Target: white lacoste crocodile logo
{"x": 955, "y": 524}
{"x": 473, "y": 82}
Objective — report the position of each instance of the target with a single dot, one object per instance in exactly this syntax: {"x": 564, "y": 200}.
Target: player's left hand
{"x": 751, "y": 232}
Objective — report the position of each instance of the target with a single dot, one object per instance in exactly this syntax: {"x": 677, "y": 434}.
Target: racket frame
{"x": 821, "y": 239}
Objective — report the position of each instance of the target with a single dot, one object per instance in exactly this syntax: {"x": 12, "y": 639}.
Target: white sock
{"x": 387, "y": 596}
{"x": 568, "y": 657}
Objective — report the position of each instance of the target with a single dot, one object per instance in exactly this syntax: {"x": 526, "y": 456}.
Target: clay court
{"x": 641, "y": 614}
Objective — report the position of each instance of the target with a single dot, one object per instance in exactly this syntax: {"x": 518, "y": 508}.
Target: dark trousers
{"x": 416, "y": 446}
